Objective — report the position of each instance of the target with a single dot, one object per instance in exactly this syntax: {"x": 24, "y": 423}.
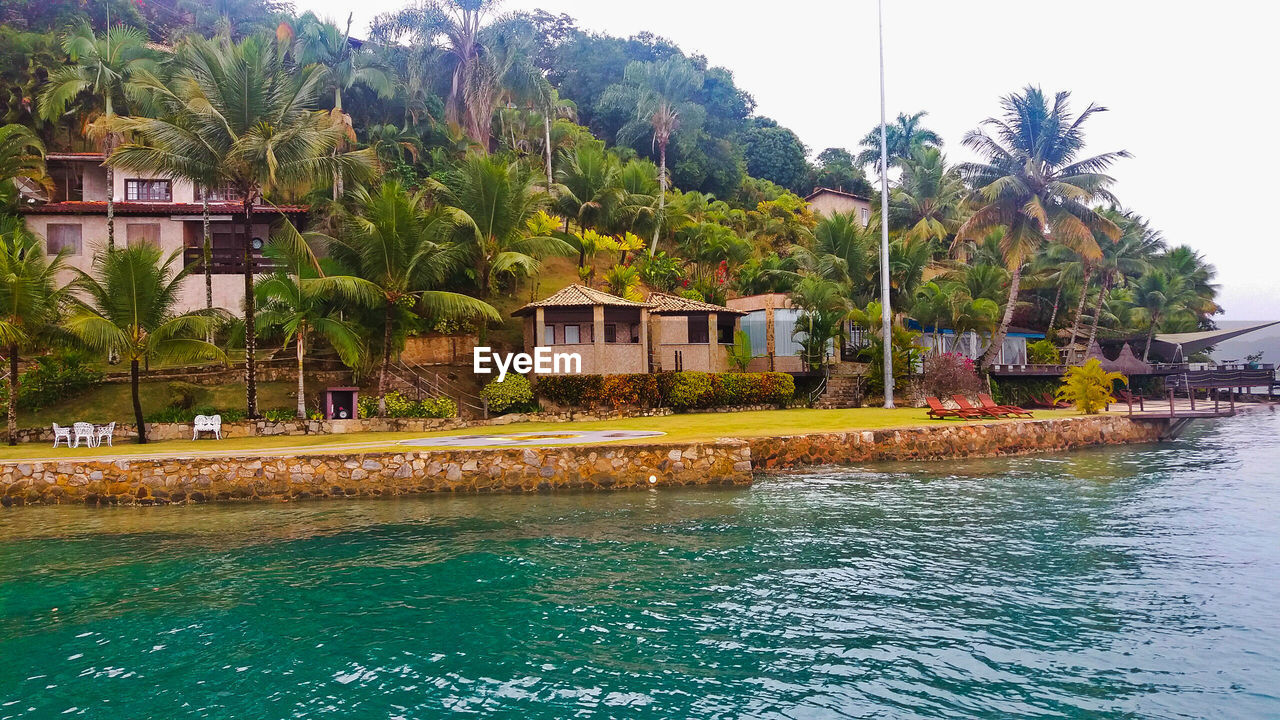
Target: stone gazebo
{"x": 610, "y": 333}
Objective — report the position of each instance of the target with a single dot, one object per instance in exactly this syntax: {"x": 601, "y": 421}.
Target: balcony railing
{"x": 227, "y": 261}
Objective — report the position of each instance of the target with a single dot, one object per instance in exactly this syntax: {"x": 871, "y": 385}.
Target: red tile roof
{"x": 674, "y": 305}
{"x": 580, "y": 296}
{"x": 99, "y": 207}
{"x": 818, "y": 191}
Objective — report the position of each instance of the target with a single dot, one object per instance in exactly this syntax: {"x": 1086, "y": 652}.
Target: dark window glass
{"x": 697, "y": 329}
{"x": 148, "y": 190}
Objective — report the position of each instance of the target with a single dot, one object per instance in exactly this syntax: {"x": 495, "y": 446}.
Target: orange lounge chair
{"x": 938, "y": 412}
{"x": 963, "y": 403}
{"x": 989, "y": 403}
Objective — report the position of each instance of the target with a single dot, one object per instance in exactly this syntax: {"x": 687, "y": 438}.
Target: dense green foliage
{"x": 512, "y": 393}
{"x": 1089, "y": 387}
{"x": 681, "y": 390}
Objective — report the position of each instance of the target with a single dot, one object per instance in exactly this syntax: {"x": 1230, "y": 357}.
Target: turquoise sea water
{"x": 1136, "y": 582}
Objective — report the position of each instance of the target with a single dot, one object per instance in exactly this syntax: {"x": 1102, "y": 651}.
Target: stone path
{"x": 532, "y": 439}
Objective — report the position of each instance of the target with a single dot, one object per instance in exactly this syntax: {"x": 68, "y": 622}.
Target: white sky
{"x": 1190, "y": 88}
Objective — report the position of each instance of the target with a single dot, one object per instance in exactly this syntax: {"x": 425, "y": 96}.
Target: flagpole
{"x": 886, "y": 314}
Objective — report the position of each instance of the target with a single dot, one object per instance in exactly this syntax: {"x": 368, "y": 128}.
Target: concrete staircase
{"x": 843, "y": 391}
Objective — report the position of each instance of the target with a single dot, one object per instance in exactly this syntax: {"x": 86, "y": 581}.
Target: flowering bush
{"x": 946, "y": 374}
{"x": 513, "y": 392}
{"x": 681, "y": 390}
{"x": 399, "y": 406}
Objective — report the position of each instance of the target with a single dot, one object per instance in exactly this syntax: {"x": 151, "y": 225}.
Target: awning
{"x": 1175, "y": 347}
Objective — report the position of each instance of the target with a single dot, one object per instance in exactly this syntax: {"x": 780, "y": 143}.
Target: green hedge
{"x": 399, "y": 406}
{"x": 513, "y": 393}
{"x": 680, "y": 390}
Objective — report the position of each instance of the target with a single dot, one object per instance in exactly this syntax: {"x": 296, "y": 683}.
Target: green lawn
{"x": 678, "y": 428}
{"x": 113, "y": 401}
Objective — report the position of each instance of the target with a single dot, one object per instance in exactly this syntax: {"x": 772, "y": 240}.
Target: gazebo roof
{"x": 664, "y": 304}
{"x": 580, "y": 296}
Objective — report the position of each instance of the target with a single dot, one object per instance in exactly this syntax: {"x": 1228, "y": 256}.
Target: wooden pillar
{"x": 644, "y": 339}
{"x": 539, "y": 326}
{"x": 597, "y": 334}
{"x": 769, "y": 332}
{"x": 1170, "y": 402}
{"x": 1192, "y": 392}
{"x": 712, "y": 342}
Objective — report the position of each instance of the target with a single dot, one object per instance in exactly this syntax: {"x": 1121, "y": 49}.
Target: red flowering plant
{"x": 944, "y": 375}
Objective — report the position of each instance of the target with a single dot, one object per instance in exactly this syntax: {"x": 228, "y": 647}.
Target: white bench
{"x": 61, "y": 433}
{"x": 207, "y": 423}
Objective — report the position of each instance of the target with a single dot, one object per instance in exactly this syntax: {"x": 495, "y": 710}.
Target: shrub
{"x": 185, "y": 395}
{"x": 1042, "y": 352}
{"x": 691, "y": 390}
{"x": 279, "y": 414}
{"x": 399, "y": 406}
{"x": 571, "y": 390}
{"x": 776, "y": 387}
{"x": 513, "y": 392}
{"x": 1089, "y": 387}
{"x": 54, "y": 378}
{"x": 945, "y": 374}
{"x": 180, "y": 415}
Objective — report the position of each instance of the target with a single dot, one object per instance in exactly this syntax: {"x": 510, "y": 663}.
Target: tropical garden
{"x": 458, "y": 161}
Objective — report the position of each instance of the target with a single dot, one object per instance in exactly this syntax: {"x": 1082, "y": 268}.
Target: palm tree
{"x": 321, "y": 43}
{"x": 823, "y": 308}
{"x": 590, "y": 185}
{"x": 399, "y": 245}
{"x": 1125, "y": 259}
{"x": 844, "y": 237}
{"x": 21, "y": 158}
{"x": 241, "y": 114}
{"x": 29, "y": 299}
{"x": 128, "y": 309}
{"x": 105, "y": 66}
{"x": 926, "y": 204}
{"x": 554, "y": 108}
{"x": 492, "y": 202}
{"x": 1184, "y": 262}
{"x": 904, "y": 136}
{"x": 485, "y": 60}
{"x": 1034, "y": 185}
{"x": 1157, "y": 296}
{"x": 305, "y": 304}
{"x": 660, "y": 92}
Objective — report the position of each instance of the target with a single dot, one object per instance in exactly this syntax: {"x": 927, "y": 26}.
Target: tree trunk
{"x": 137, "y": 402}
{"x": 208, "y": 259}
{"x": 1097, "y": 310}
{"x": 13, "y": 394}
{"x": 1075, "y": 324}
{"x": 662, "y": 195}
{"x": 993, "y": 350}
{"x": 386, "y": 350}
{"x": 111, "y": 208}
{"x": 1146, "y": 354}
{"x": 546, "y": 125}
{"x": 250, "y": 315}
{"x": 1053, "y": 316}
{"x": 302, "y": 390}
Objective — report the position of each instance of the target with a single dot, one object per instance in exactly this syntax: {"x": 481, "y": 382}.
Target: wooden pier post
{"x": 1170, "y": 402}
{"x": 1192, "y": 392}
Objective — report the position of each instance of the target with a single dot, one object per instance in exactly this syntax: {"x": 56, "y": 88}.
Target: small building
{"x": 691, "y": 334}
{"x": 1013, "y": 351}
{"x": 608, "y": 332}
{"x": 770, "y": 321}
{"x": 167, "y": 212}
{"x": 827, "y": 202}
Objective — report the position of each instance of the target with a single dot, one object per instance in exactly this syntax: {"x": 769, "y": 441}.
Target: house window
{"x": 610, "y": 333}
{"x": 571, "y": 334}
{"x": 148, "y": 190}
{"x": 140, "y": 233}
{"x": 219, "y": 194}
{"x": 698, "y": 330}
{"x": 865, "y": 215}
{"x": 63, "y": 238}
{"x": 549, "y": 335}
{"x": 724, "y": 334}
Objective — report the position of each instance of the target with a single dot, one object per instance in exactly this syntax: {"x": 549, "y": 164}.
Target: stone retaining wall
{"x": 185, "y": 480}
{"x": 723, "y": 462}
{"x": 951, "y": 440}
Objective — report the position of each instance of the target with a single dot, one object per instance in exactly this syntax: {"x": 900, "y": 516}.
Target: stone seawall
{"x": 952, "y": 440}
{"x": 185, "y": 480}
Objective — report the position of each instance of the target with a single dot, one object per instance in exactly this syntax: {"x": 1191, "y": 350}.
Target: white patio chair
{"x": 207, "y": 423}
{"x": 82, "y": 430}
{"x": 104, "y": 431}
{"x": 61, "y": 433}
